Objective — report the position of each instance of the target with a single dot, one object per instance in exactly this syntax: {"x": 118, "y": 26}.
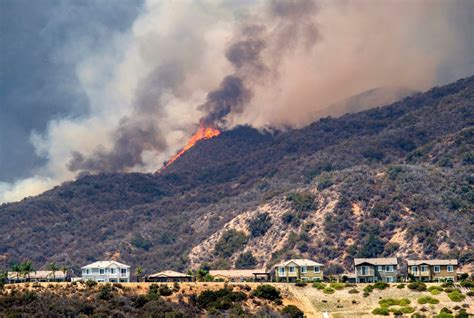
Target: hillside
{"x": 395, "y": 180}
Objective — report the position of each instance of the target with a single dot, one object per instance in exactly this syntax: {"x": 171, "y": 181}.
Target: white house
{"x": 106, "y": 271}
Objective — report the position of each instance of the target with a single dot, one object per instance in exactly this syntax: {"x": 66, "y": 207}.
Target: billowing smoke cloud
{"x": 269, "y": 63}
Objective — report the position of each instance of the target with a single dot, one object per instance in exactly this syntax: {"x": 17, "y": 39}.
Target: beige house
{"x": 38, "y": 276}
{"x": 240, "y": 275}
{"x": 433, "y": 270}
{"x": 299, "y": 269}
{"x": 371, "y": 270}
{"x": 169, "y": 276}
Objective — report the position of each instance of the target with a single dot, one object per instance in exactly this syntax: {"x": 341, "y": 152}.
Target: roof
{"x": 237, "y": 272}
{"x": 432, "y": 262}
{"x": 299, "y": 262}
{"x": 376, "y": 261}
{"x": 169, "y": 274}
{"x": 106, "y": 264}
{"x": 38, "y": 275}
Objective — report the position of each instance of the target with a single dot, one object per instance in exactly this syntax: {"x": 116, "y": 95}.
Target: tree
{"x": 64, "y": 269}
{"x": 230, "y": 242}
{"x": 139, "y": 272}
{"x": 26, "y": 268}
{"x": 53, "y": 268}
{"x": 17, "y": 269}
{"x": 245, "y": 260}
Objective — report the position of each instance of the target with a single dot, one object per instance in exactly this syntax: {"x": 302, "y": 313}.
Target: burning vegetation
{"x": 204, "y": 132}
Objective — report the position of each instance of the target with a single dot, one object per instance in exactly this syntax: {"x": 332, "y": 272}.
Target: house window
{"x": 112, "y": 271}
{"x": 123, "y": 271}
{"x": 95, "y": 270}
{"x": 424, "y": 268}
{"x": 291, "y": 269}
{"x": 389, "y": 268}
{"x": 282, "y": 271}
{"x": 304, "y": 269}
{"x": 380, "y": 268}
{"x": 364, "y": 270}
{"x": 390, "y": 279}
{"x": 317, "y": 269}
{"x": 450, "y": 269}
{"x": 101, "y": 271}
{"x": 437, "y": 269}
{"x": 414, "y": 269}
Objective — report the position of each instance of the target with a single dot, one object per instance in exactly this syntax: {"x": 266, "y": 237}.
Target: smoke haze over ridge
{"x": 144, "y": 89}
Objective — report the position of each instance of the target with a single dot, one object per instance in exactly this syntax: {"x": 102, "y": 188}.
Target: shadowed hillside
{"x": 395, "y": 180}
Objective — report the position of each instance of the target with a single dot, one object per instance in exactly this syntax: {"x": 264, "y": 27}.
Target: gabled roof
{"x": 237, "y": 272}
{"x": 169, "y": 274}
{"x": 106, "y": 264}
{"x": 376, "y": 261}
{"x": 432, "y": 262}
{"x": 38, "y": 275}
{"x": 299, "y": 262}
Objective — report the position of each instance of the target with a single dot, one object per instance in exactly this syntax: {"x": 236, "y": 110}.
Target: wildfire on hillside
{"x": 202, "y": 133}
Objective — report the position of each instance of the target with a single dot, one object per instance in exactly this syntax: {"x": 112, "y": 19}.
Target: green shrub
{"x": 302, "y": 201}
{"x": 329, "y": 290}
{"x": 91, "y": 283}
{"x": 222, "y": 299}
{"x": 230, "y": 242}
{"x": 353, "y": 291}
{"x": 427, "y": 300}
{"x": 418, "y": 286}
{"x": 401, "y": 286}
{"x": 368, "y": 288}
{"x": 407, "y": 310}
{"x": 164, "y": 290}
{"x": 456, "y": 296}
{"x": 381, "y": 311}
{"x": 467, "y": 284}
{"x": 319, "y": 285}
{"x": 381, "y": 285}
{"x": 394, "y": 302}
{"x": 267, "y": 292}
{"x": 105, "y": 292}
{"x": 418, "y": 315}
{"x": 246, "y": 260}
{"x": 292, "y": 311}
{"x": 259, "y": 225}
{"x": 470, "y": 293}
{"x": 300, "y": 284}
{"x": 365, "y": 294}
{"x": 444, "y": 315}
{"x": 337, "y": 286}
{"x": 463, "y": 314}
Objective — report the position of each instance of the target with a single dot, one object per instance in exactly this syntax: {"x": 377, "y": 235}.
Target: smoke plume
{"x": 276, "y": 63}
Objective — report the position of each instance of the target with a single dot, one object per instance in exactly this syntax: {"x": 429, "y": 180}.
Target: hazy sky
{"x": 91, "y": 86}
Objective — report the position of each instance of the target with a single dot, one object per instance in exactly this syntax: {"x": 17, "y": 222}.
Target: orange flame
{"x": 203, "y": 133}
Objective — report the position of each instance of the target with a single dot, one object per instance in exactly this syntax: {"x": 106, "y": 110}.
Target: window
{"x": 389, "y": 268}
{"x": 123, "y": 271}
{"x": 317, "y": 269}
{"x": 389, "y": 279}
{"x": 112, "y": 271}
{"x": 282, "y": 270}
{"x": 450, "y": 269}
{"x": 414, "y": 269}
{"x": 304, "y": 269}
{"x": 291, "y": 269}
{"x": 95, "y": 270}
{"x": 380, "y": 268}
{"x": 436, "y": 269}
{"x": 364, "y": 270}
{"x": 424, "y": 268}
{"x": 101, "y": 271}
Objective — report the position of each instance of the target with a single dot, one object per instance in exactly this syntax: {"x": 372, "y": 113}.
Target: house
{"x": 169, "y": 276}
{"x": 106, "y": 271}
{"x": 370, "y": 270}
{"x": 240, "y": 275}
{"x": 37, "y": 276}
{"x": 433, "y": 270}
{"x": 298, "y": 269}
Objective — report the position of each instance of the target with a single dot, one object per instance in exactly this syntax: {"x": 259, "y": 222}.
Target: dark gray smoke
{"x": 293, "y": 24}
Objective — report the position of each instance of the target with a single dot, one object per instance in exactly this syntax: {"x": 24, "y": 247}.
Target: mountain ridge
{"x": 156, "y": 220}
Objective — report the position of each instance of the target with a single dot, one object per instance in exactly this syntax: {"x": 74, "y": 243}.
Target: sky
{"x": 118, "y": 86}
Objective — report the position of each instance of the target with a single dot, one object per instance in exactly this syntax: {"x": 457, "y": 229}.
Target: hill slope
{"x": 395, "y": 180}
